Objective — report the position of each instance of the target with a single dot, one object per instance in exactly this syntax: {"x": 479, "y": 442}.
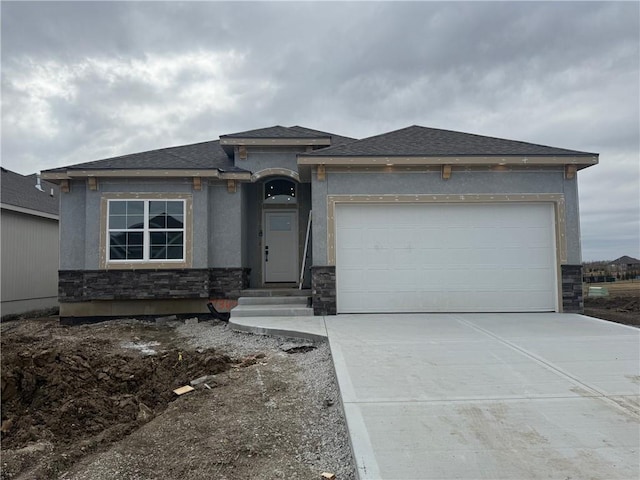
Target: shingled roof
{"x": 20, "y": 191}
{"x": 423, "y": 141}
{"x": 278, "y": 131}
{"x": 335, "y": 139}
{"x": 197, "y": 156}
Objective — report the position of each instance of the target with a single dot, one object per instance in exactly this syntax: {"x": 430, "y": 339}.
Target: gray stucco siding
{"x": 81, "y": 221}
{"x": 73, "y": 227}
{"x": 461, "y": 182}
{"x": 261, "y": 159}
{"x": 225, "y": 227}
{"x": 572, "y": 218}
{"x": 319, "y": 191}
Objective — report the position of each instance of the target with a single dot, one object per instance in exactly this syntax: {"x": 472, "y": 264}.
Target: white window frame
{"x": 146, "y": 232}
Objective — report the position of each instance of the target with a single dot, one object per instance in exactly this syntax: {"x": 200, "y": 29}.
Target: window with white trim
{"x": 146, "y": 230}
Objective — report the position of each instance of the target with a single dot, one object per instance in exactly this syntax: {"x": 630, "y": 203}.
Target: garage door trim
{"x": 557, "y": 200}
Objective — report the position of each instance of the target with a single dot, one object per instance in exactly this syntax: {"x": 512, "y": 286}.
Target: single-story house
{"x": 29, "y": 246}
{"x": 413, "y": 220}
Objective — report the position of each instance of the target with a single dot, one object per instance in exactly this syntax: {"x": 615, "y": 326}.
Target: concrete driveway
{"x": 495, "y": 396}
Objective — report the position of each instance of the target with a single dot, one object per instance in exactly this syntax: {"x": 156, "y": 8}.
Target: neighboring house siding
{"x": 29, "y": 262}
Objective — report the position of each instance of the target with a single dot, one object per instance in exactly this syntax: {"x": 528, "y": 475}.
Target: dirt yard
{"x": 96, "y": 402}
{"x": 621, "y": 306}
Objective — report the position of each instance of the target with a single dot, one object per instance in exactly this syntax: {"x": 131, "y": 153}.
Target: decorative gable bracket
{"x": 321, "y": 172}
{"x": 446, "y": 172}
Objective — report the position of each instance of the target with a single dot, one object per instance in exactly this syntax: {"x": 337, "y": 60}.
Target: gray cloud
{"x": 83, "y": 81}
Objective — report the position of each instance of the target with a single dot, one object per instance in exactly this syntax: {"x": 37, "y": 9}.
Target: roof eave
{"x": 280, "y": 142}
{"x": 70, "y": 174}
{"x": 29, "y": 211}
{"x": 580, "y": 161}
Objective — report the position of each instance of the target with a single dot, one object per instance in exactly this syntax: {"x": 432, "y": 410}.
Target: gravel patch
{"x": 325, "y": 418}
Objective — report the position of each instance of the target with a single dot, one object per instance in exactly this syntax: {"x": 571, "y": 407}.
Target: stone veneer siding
{"x": 323, "y": 290}
{"x": 227, "y": 282}
{"x": 140, "y": 284}
{"x": 572, "y": 297}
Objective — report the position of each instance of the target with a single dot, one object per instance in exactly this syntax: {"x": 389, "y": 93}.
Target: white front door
{"x": 281, "y": 246}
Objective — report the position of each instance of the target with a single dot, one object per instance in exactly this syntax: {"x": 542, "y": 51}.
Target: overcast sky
{"x": 85, "y": 81}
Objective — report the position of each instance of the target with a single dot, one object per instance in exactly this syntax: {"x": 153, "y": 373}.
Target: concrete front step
{"x": 275, "y": 292}
{"x": 300, "y": 300}
{"x": 271, "y": 311}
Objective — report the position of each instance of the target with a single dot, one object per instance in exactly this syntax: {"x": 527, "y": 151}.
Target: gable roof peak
{"x": 277, "y": 131}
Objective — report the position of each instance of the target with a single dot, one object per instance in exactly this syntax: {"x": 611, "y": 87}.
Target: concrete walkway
{"x": 489, "y": 396}
{"x": 307, "y": 328}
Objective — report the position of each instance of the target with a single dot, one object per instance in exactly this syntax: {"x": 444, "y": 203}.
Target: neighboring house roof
{"x": 197, "y": 156}
{"x": 423, "y": 141}
{"x": 625, "y": 260}
{"x": 20, "y": 191}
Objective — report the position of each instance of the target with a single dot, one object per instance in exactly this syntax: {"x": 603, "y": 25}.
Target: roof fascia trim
{"x": 29, "y": 211}
{"x": 580, "y": 161}
{"x": 140, "y": 173}
{"x": 264, "y": 142}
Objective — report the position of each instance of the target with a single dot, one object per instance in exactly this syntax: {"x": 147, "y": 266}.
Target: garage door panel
{"x": 351, "y": 238}
{"x": 351, "y": 280}
{"x": 537, "y": 256}
{"x": 435, "y": 257}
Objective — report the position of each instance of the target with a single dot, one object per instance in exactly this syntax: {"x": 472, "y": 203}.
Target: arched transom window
{"x": 280, "y": 191}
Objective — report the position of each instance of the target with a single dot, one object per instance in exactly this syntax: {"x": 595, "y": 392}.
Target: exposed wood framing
{"x": 446, "y": 172}
{"x": 231, "y": 186}
{"x": 65, "y": 186}
{"x": 569, "y": 171}
{"x": 93, "y": 183}
{"x": 321, "y": 172}
{"x": 197, "y": 183}
{"x": 242, "y": 152}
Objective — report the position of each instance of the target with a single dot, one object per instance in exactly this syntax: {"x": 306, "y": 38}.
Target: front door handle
{"x": 266, "y": 253}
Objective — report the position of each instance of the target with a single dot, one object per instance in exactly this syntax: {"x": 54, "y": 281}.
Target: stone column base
{"x": 323, "y": 289}
{"x": 572, "y": 297}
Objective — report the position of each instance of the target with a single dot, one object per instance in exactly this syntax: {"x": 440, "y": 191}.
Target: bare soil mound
{"x": 79, "y": 393}
{"x": 620, "y": 309}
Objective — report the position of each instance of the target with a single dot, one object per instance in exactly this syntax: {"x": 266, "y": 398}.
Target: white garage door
{"x": 445, "y": 258}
